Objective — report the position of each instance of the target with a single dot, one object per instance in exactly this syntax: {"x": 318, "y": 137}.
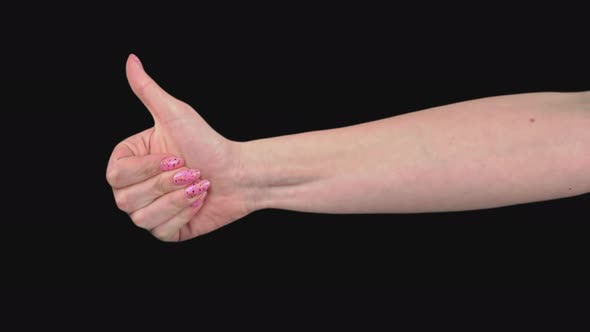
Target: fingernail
{"x": 185, "y": 177}
{"x": 197, "y": 189}
{"x": 199, "y": 201}
{"x": 136, "y": 59}
{"x": 171, "y": 163}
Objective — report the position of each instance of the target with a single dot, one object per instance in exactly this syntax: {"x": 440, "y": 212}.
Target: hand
{"x": 149, "y": 194}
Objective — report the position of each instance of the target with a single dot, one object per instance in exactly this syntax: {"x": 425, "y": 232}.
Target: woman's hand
{"x": 143, "y": 168}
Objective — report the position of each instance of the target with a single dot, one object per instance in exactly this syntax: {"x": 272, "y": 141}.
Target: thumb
{"x": 161, "y": 105}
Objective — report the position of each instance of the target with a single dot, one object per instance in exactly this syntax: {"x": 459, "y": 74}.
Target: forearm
{"x": 477, "y": 154}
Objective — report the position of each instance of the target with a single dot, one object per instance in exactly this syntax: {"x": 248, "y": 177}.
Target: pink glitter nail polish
{"x": 197, "y": 189}
{"x": 199, "y": 201}
{"x": 186, "y": 177}
{"x": 171, "y": 163}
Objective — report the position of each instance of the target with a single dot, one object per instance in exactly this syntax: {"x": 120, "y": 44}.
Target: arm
{"x": 478, "y": 154}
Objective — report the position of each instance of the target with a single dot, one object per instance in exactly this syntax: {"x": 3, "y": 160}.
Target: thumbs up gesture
{"x": 161, "y": 176}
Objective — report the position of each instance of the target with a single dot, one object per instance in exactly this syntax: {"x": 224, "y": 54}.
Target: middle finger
{"x": 140, "y": 195}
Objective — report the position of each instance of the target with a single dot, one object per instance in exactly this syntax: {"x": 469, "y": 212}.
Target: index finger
{"x": 125, "y": 169}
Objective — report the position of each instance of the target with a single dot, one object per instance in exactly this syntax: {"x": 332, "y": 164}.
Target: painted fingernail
{"x": 185, "y": 177}
{"x": 199, "y": 202}
{"x": 171, "y": 163}
{"x": 197, "y": 189}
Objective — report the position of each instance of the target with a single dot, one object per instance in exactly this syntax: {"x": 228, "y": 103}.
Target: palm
{"x": 181, "y": 131}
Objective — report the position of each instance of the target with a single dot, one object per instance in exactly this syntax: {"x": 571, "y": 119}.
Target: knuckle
{"x": 122, "y": 201}
{"x": 144, "y": 88}
{"x": 182, "y": 106}
{"x": 165, "y": 182}
{"x": 160, "y": 186}
{"x": 179, "y": 203}
{"x": 113, "y": 176}
{"x": 139, "y": 219}
{"x": 161, "y": 234}
{"x": 146, "y": 171}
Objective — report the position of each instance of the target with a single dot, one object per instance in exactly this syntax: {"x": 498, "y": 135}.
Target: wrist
{"x": 251, "y": 176}
{"x": 277, "y": 172}
{"x": 282, "y": 172}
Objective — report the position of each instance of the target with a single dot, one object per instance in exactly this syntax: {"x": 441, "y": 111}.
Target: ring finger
{"x": 167, "y": 206}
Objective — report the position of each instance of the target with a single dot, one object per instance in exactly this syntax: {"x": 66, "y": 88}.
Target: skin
{"x": 477, "y": 154}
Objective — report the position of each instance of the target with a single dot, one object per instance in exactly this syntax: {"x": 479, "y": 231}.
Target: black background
{"x": 276, "y": 71}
